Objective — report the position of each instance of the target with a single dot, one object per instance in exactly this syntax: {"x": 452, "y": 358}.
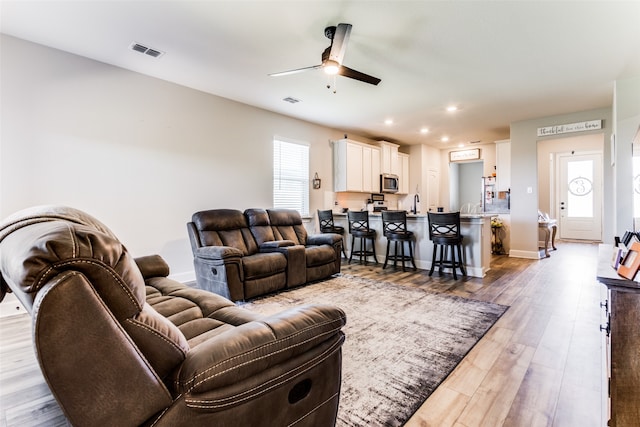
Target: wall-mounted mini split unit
{"x": 155, "y": 53}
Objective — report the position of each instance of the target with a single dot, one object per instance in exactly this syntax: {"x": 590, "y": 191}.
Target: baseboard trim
{"x": 471, "y": 271}
{"x": 524, "y": 254}
{"x": 11, "y": 306}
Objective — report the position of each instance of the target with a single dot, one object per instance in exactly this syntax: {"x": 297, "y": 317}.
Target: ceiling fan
{"x": 333, "y": 55}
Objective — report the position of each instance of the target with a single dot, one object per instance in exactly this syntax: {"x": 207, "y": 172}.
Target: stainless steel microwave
{"x": 389, "y": 183}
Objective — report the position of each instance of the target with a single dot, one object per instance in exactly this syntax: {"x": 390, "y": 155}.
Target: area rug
{"x": 401, "y": 342}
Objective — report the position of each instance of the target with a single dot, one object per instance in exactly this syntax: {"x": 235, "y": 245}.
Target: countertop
{"x": 421, "y": 215}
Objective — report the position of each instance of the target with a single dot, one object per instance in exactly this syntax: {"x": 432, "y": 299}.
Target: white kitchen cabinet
{"x": 356, "y": 166}
{"x": 503, "y": 165}
{"x": 375, "y": 171}
{"x": 389, "y": 162}
{"x": 367, "y": 184}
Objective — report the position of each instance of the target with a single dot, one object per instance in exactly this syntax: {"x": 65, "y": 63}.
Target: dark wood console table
{"x": 623, "y": 329}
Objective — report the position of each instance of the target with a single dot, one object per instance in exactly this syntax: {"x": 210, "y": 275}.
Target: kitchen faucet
{"x": 416, "y": 200}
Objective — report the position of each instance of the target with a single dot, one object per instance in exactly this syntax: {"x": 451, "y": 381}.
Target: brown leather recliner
{"x": 245, "y": 255}
{"x": 322, "y": 251}
{"x": 121, "y": 344}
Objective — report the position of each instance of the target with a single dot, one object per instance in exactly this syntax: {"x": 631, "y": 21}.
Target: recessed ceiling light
{"x": 424, "y": 131}
{"x": 452, "y": 108}
{"x": 444, "y": 139}
{"x": 461, "y": 145}
{"x": 388, "y": 122}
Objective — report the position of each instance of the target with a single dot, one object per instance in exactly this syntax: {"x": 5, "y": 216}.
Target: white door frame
{"x": 556, "y": 184}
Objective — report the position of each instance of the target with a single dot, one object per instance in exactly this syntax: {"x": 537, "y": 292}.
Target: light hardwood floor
{"x": 540, "y": 365}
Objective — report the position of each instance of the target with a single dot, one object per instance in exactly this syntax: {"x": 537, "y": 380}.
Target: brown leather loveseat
{"x": 120, "y": 344}
{"x": 244, "y": 255}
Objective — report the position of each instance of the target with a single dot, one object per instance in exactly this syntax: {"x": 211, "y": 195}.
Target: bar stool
{"x": 394, "y": 228}
{"x": 444, "y": 232}
{"x": 359, "y": 228}
{"x": 325, "y": 219}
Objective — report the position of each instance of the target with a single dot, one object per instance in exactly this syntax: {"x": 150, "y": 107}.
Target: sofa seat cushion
{"x": 200, "y": 330}
{"x": 263, "y": 264}
{"x": 199, "y": 315}
{"x": 320, "y": 255}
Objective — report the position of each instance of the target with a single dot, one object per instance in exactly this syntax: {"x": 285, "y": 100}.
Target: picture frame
{"x": 464, "y": 155}
{"x": 619, "y": 252}
{"x": 631, "y": 263}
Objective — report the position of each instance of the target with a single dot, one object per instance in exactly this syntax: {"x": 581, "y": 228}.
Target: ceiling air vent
{"x": 146, "y": 50}
{"x": 291, "y": 100}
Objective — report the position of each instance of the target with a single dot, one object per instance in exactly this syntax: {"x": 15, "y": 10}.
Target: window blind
{"x": 291, "y": 176}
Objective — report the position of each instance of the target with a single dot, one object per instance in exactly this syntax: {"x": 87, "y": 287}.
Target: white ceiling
{"x": 499, "y": 61}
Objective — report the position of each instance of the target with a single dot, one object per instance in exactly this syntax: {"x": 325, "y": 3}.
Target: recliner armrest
{"x": 217, "y": 252}
{"x": 274, "y": 244}
{"x": 254, "y": 347}
{"x": 152, "y": 266}
{"x": 323, "y": 239}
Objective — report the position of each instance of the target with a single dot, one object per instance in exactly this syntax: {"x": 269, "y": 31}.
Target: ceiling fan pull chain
{"x": 331, "y": 82}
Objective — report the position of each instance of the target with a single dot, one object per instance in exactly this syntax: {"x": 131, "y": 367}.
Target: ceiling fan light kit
{"x": 333, "y": 55}
{"x": 331, "y": 67}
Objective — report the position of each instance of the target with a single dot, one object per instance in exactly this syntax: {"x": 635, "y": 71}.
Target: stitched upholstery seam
{"x": 301, "y": 368}
{"x": 159, "y": 416}
{"x": 155, "y": 332}
{"x": 235, "y": 367}
{"x": 73, "y": 241}
{"x": 117, "y": 278}
{"x": 314, "y": 409}
{"x": 212, "y": 404}
{"x": 262, "y": 347}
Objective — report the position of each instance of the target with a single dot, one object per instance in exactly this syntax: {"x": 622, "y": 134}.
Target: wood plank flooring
{"x": 540, "y": 365}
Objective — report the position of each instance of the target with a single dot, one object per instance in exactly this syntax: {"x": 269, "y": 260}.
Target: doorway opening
{"x": 570, "y": 185}
{"x": 465, "y": 186}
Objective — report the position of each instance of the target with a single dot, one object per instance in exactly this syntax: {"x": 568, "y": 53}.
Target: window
{"x": 291, "y": 176}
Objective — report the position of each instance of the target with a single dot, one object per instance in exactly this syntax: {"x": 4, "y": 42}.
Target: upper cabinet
{"x": 503, "y": 165}
{"x": 356, "y": 166}
{"x": 389, "y": 160}
{"x": 370, "y": 169}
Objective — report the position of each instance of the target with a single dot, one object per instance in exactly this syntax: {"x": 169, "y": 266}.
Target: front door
{"x": 580, "y": 196}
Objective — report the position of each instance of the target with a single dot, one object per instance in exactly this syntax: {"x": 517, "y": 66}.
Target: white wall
{"x": 140, "y": 154}
{"x": 626, "y": 107}
{"x": 524, "y": 174}
{"x": 470, "y": 183}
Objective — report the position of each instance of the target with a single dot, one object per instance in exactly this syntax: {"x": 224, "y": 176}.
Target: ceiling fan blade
{"x": 298, "y": 70}
{"x": 357, "y": 75}
{"x": 339, "y": 42}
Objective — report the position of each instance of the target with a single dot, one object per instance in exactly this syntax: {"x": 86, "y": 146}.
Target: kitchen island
{"x": 476, "y": 229}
